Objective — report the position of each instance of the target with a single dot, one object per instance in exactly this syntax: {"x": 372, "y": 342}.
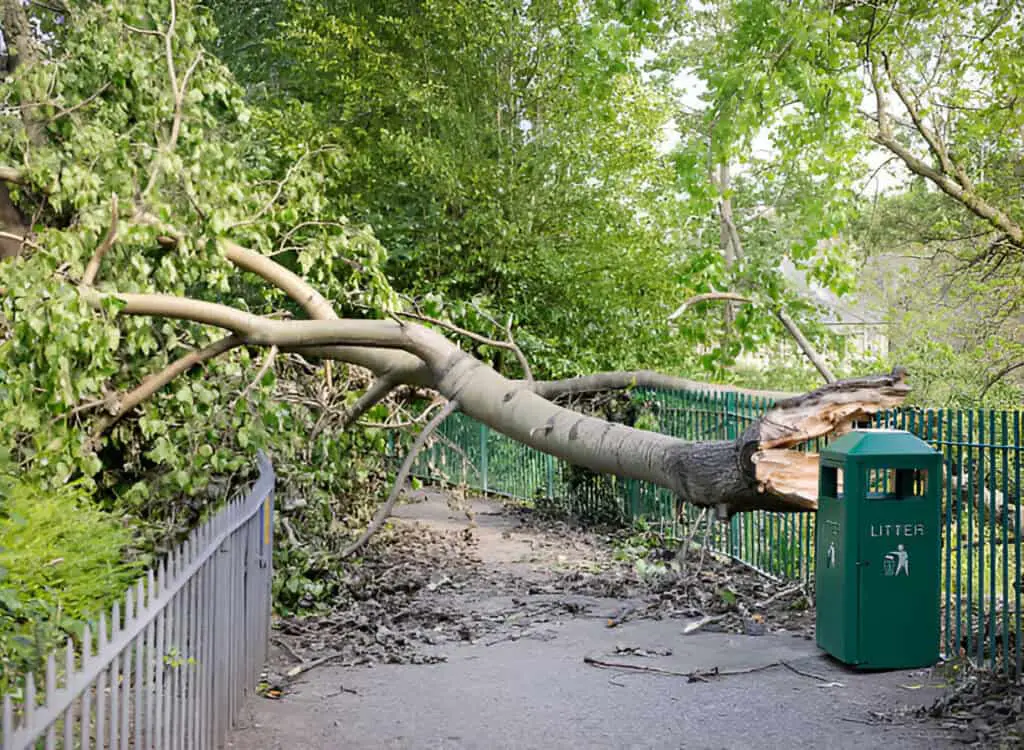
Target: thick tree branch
{"x": 155, "y": 382}
{"x": 622, "y": 380}
{"x": 22, "y": 239}
{"x": 314, "y": 303}
{"x": 10, "y": 174}
{"x": 402, "y": 367}
{"x": 719, "y": 473}
{"x": 950, "y": 186}
{"x": 707, "y": 297}
{"x": 977, "y": 205}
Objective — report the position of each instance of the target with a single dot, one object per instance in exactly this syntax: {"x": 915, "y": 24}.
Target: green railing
{"x": 981, "y": 560}
{"x": 981, "y": 490}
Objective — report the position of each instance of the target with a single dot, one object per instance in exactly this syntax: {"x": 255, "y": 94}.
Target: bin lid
{"x": 878, "y": 442}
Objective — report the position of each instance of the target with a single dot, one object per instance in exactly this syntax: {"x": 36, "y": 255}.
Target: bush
{"x": 61, "y": 561}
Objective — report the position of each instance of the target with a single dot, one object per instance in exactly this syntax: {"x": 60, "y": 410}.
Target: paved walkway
{"x": 539, "y": 692}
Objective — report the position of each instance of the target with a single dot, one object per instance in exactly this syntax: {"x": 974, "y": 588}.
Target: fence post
{"x": 634, "y": 499}
{"x": 551, "y": 475}
{"x": 730, "y": 415}
{"x": 483, "y": 458}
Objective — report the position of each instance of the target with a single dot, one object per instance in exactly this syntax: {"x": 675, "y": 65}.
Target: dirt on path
{"x": 503, "y": 631}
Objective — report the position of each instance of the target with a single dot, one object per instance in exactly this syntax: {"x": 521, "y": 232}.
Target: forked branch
{"x": 154, "y": 383}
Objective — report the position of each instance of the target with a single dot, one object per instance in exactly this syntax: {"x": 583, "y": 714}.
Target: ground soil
{"x": 496, "y": 629}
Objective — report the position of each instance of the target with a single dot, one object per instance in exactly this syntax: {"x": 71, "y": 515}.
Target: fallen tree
{"x": 759, "y": 470}
{"x": 166, "y": 236}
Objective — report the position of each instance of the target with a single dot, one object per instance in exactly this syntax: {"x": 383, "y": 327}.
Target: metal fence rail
{"x": 982, "y": 513}
{"x": 170, "y": 667}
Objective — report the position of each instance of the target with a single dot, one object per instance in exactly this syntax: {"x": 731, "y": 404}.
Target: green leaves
{"x": 231, "y": 170}
{"x": 60, "y": 562}
{"x": 504, "y": 156}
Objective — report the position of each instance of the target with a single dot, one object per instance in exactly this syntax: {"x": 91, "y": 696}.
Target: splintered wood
{"x": 832, "y": 410}
{"x": 791, "y": 475}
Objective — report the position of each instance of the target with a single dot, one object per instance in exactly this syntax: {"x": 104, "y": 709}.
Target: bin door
{"x": 898, "y": 584}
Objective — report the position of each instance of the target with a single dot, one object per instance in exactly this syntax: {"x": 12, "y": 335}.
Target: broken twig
{"x": 699, "y": 675}
{"x": 696, "y": 675}
{"x": 294, "y": 672}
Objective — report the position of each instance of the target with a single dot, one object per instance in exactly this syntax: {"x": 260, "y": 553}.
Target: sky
{"x": 690, "y": 88}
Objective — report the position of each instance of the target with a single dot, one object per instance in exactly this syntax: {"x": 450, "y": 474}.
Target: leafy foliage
{"x": 943, "y": 79}
{"x": 506, "y": 155}
{"x": 61, "y": 562}
{"x": 171, "y": 139}
{"x": 954, "y": 325}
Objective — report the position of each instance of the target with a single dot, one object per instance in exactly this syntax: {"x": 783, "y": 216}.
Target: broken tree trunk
{"x": 790, "y": 477}
{"x": 755, "y": 471}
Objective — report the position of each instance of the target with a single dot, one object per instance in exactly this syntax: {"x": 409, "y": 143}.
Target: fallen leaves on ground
{"x": 419, "y": 588}
{"x": 985, "y": 707}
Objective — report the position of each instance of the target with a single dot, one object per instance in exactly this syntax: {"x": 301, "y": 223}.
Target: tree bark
{"x": 731, "y": 476}
{"x": 21, "y": 53}
{"x": 613, "y": 381}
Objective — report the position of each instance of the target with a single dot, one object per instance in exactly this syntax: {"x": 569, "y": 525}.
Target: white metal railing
{"x": 170, "y": 667}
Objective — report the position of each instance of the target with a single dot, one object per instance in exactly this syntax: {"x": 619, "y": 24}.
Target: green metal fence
{"x": 981, "y": 574}
{"x": 981, "y": 560}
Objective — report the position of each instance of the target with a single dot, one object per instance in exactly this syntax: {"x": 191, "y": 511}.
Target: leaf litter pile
{"x": 418, "y": 588}
{"x": 985, "y": 708}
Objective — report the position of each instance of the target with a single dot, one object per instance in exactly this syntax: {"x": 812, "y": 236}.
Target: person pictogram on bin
{"x": 896, "y": 561}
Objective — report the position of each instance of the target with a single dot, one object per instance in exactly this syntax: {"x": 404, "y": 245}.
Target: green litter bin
{"x": 877, "y": 550}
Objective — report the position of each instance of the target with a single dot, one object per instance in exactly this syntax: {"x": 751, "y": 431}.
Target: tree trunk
{"x": 755, "y": 471}
{"x": 21, "y": 53}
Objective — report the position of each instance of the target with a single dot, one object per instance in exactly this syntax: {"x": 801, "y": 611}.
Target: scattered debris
{"x": 984, "y": 708}
{"x": 416, "y": 588}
